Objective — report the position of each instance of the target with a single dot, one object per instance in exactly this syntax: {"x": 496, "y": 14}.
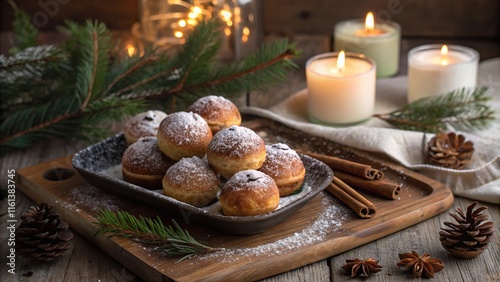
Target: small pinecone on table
{"x": 42, "y": 234}
{"x": 469, "y": 236}
{"x": 450, "y": 150}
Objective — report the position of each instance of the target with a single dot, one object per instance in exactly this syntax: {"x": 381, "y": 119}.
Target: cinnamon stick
{"x": 359, "y": 204}
{"x": 337, "y": 181}
{"x": 382, "y": 188}
{"x": 354, "y": 168}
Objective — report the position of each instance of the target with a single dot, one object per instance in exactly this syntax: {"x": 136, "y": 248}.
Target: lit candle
{"x": 341, "y": 88}
{"x": 437, "y": 69}
{"x": 378, "y": 41}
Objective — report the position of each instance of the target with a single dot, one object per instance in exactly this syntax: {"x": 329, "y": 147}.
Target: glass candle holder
{"x": 436, "y": 69}
{"x": 167, "y": 22}
{"x": 381, "y": 45}
{"x": 340, "y": 95}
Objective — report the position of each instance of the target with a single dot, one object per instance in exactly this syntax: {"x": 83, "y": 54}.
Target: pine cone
{"x": 42, "y": 234}
{"x": 469, "y": 237}
{"x": 450, "y": 150}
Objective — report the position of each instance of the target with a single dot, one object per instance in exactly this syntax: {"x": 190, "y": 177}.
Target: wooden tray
{"x": 323, "y": 228}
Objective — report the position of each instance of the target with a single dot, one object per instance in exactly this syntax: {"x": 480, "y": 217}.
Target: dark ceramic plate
{"x": 95, "y": 162}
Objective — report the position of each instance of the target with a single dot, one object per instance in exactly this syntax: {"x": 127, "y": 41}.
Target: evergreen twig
{"x": 463, "y": 109}
{"x": 25, "y": 34}
{"x": 171, "y": 240}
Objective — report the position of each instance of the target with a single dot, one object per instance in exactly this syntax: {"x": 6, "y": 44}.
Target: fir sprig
{"x": 171, "y": 240}
{"x": 25, "y": 34}
{"x": 463, "y": 109}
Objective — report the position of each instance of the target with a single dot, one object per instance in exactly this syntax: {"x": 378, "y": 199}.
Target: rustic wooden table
{"x": 85, "y": 262}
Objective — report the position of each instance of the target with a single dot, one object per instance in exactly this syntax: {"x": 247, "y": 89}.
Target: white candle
{"x": 378, "y": 41}
{"x": 433, "y": 70}
{"x": 340, "y": 95}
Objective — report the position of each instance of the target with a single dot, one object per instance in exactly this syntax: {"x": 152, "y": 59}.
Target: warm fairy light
{"x": 444, "y": 55}
{"x": 341, "y": 61}
{"x": 369, "y": 22}
{"x": 182, "y": 23}
{"x": 178, "y": 34}
{"x": 227, "y": 31}
{"x": 226, "y": 15}
{"x": 246, "y": 31}
{"x": 131, "y": 50}
{"x": 192, "y": 21}
{"x": 197, "y": 10}
{"x": 229, "y": 23}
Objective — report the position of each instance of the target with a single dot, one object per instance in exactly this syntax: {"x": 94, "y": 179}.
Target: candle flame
{"x": 444, "y": 50}
{"x": 341, "y": 61}
{"x": 369, "y": 22}
{"x": 444, "y": 55}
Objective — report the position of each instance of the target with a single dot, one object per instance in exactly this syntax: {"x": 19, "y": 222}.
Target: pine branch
{"x": 246, "y": 75}
{"x": 129, "y": 70}
{"x": 286, "y": 55}
{"x": 464, "y": 109}
{"x": 25, "y": 33}
{"x": 173, "y": 241}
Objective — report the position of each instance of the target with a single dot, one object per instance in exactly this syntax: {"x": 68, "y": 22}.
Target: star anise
{"x": 423, "y": 265}
{"x": 357, "y": 267}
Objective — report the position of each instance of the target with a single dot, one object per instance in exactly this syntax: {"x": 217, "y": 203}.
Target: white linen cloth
{"x": 480, "y": 180}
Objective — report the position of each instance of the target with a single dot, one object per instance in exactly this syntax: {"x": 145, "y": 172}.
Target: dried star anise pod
{"x": 423, "y": 265}
{"x": 357, "y": 267}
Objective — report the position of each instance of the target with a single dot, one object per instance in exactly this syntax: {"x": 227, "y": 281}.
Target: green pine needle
{"x": 25, "y": 33}
{"x": 464, "y": 109}
{"x": 171, "y": 240}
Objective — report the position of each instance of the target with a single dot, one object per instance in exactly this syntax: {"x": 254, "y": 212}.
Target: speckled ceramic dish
{"x": 99, "y": 165}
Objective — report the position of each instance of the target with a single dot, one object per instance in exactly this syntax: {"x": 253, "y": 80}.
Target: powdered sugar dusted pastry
{"x": 236, "y": 148}
{"x": 183, "y": 135}
{"x": 191, "y": 180}
{"x": 285, "y": 166}
{"x": 218, "y": 111}
{"x": 143, "y": 125}
{"x": 143, "y": 163}
{"x": 249, "y": 192}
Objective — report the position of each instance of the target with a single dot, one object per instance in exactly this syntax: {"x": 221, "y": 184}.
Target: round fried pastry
{"x": 217, "y": 111}
{"x": 192, "y": 181}
{"x": 284, "y": 165}
{"x": 184, "y": 135}
{"x": 249, "y": 192}
{"x": 234, "y": 149}
{"x": 142, "y": 125}
{"x": 143, "y": 163}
